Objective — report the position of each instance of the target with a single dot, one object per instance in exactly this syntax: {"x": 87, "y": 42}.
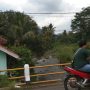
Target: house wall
{"x": 3, "y": 62}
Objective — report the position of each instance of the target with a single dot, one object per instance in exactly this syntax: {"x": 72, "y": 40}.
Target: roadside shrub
{"x": 26, "y": 58}
{"x": 4, "y": 82}
{"x": 63, "y": 52}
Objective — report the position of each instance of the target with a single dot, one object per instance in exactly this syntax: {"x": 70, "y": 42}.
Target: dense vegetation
{"x": 20, "y": 33}
{"x": 23, "y": 36}
{"x": 4, "y": 82}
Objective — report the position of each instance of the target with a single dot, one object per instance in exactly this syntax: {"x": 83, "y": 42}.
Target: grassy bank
{"x": 63, "y": 52}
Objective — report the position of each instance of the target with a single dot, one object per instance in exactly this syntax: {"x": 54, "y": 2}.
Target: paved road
{"x": 54, "y": 87}
{"x": 51, "y": 87}
{"x": 44, "y": 87}
{"x": 57, "y": 87}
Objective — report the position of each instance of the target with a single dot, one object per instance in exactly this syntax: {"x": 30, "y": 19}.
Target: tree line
{"x": 22, "y": 33}
{"x": 80, "y": 27}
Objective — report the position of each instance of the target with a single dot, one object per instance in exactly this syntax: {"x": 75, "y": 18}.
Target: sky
{"x": 60, "y": 21}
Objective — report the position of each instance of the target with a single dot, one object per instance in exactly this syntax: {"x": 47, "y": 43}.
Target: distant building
{"x": 4, "y": 57}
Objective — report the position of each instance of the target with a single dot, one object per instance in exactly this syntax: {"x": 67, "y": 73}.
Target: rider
{"x": 82, "y": 57}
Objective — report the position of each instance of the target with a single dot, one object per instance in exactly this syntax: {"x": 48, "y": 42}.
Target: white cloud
{"x": 59, "y": 21}
{"x": 13, "y": 4}
{"x": 78, "y": 4}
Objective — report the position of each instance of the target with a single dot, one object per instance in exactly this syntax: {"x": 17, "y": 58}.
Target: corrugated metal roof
{"x": 9, "y": 52}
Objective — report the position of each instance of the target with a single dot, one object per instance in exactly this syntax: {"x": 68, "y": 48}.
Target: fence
{"x": 33, "y": 67}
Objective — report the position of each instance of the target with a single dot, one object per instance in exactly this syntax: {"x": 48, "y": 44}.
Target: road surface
{"x": 54, "y": 87}
{"x": 50, "y": 87}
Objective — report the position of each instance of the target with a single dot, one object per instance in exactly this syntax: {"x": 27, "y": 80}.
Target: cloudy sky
{"x": 60, "y": 21}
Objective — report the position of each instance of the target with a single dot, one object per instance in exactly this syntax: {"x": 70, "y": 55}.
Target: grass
{"x": 63, "y": 52}
{"x": 4, "y": 82}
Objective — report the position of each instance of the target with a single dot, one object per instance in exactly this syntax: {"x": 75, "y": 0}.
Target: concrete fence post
{"x": 27, "y": 73}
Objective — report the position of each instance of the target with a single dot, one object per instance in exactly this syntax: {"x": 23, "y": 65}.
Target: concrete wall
{"x": 3, "y": 61}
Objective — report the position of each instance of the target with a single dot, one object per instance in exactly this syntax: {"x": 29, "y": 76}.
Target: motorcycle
{"x": 75, "y": 79}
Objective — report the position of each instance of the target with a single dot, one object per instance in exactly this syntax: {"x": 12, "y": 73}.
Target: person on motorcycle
{"x": 82, "y": 57}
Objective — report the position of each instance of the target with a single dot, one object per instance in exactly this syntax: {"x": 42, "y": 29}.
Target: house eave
{"x": 9, "y": 52}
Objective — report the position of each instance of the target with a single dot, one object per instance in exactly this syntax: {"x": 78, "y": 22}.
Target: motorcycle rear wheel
{"x": 70, "y": 83}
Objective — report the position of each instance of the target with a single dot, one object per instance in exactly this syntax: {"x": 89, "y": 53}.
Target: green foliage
{"x": 66, "y": 37}
{"x": 64, "y": 52}
{"x": 40, "y": 43}
{"x": 20, "y": 29}
{"x": 24, "y": 36}
{"x": 47, "y": 37}
{"x": 14, "y": 25}
{"x": 4, "y": 82}
{"x": 81, "y": 24}
{"x": 33, "y": 42}
{"x": 24, "y": 53}
{"x": 26, "y": 58}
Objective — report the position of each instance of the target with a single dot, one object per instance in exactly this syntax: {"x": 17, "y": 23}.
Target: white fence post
{"x": 27, "y": 73}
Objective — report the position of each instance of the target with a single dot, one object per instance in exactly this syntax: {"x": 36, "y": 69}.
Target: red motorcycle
{"x": 76, "y": 80}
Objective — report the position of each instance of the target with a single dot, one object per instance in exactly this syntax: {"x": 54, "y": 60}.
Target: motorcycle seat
{"x": 77, "y": 72}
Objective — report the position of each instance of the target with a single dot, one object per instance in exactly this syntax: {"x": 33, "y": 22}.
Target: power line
{"x": 42, "y": 13}
{"x": 53, "y": 13}
{"x": 47, "y": 12}
{"x": 51, "y": 16}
